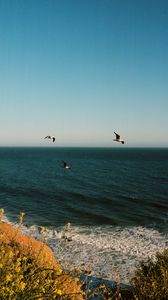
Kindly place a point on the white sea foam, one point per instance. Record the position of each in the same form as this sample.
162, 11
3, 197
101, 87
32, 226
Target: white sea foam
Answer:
110, 252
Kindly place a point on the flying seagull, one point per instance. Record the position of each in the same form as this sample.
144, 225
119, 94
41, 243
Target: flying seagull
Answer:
117, 139
50, 137
66, 165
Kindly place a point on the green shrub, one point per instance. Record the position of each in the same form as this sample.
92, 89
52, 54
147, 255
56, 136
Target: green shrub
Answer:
151, 278
149, 283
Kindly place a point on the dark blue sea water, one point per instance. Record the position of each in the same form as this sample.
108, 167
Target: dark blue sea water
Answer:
116, 200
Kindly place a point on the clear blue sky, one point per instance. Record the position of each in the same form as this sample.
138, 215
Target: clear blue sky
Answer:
83, 69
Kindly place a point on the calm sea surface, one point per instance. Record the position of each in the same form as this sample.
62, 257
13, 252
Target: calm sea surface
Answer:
116, 200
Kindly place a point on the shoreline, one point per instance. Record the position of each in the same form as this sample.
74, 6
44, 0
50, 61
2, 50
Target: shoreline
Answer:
88, 283
30, 247
111, 255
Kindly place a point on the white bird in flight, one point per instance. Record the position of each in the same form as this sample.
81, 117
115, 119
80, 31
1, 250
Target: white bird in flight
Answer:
117, 139
50, 137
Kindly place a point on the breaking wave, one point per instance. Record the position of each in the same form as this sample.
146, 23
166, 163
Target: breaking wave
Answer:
110, 252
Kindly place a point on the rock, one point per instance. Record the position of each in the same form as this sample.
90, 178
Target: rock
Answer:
96, 284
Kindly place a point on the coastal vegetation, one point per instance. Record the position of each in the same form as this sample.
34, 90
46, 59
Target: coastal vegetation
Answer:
151, 278
29, 270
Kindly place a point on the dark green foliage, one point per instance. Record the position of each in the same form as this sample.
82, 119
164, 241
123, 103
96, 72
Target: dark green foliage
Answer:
151, 278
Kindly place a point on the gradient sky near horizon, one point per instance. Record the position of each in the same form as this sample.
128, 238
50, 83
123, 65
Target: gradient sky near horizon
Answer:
81, 70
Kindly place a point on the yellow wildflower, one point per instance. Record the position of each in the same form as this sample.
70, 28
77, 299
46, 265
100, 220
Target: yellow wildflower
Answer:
43, 229
10, 254
19, 260
8, 277
1, 265
69, 227
1, 213
59, 272
22, 285
17, 269
21, 217
24, 258
1, 235
59, 292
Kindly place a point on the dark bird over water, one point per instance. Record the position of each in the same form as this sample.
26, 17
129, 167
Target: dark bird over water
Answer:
66, 165
117, 139
50, 137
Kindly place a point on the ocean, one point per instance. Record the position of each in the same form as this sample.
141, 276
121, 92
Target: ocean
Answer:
116, 200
